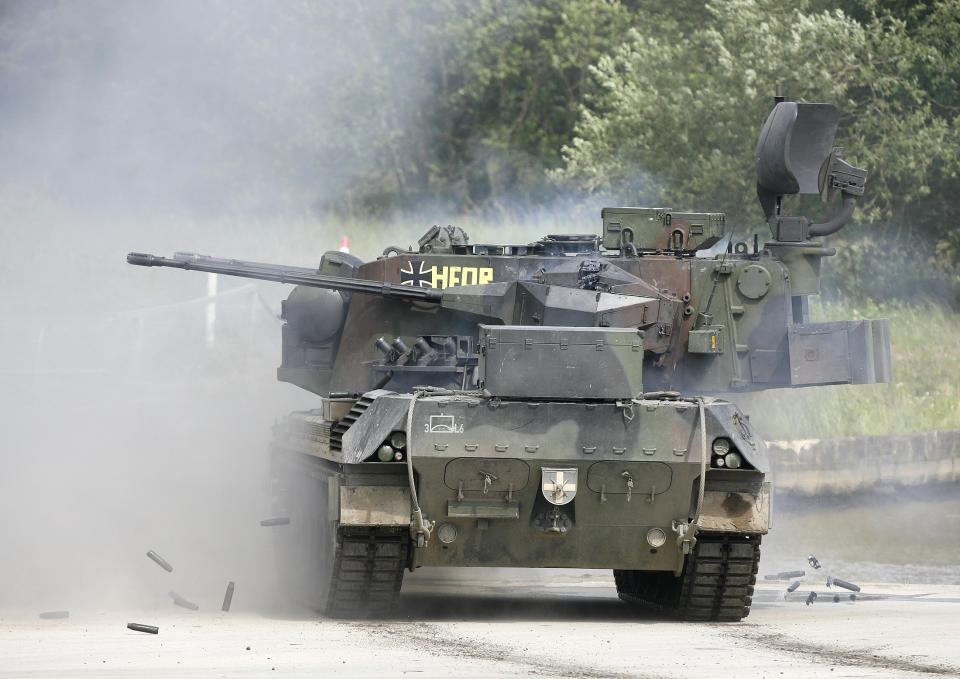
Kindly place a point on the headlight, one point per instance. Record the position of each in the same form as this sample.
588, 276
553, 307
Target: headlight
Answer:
656, 537
447, 533
733, 460
398, 440
721, 446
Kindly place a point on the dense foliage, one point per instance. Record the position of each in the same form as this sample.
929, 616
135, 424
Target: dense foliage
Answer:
675, 120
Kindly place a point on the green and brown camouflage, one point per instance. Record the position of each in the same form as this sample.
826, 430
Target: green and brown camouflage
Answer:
557, 403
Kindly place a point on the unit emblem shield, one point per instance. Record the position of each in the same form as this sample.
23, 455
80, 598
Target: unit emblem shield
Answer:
559, 486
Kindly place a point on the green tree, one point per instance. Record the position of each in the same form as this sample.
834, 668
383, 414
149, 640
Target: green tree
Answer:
677, 120
468, 102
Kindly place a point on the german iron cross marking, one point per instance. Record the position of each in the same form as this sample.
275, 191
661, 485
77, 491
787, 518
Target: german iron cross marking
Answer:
417, 277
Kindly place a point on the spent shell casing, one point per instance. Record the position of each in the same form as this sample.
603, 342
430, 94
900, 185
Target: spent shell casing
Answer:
811, 597
279, 521
787, 575
148, 629
228, 597
55, 615
812, 560
183, 603
160, 561
846, 585
793, 586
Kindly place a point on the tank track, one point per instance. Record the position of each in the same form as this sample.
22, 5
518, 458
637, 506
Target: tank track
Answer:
716, 583
367, 572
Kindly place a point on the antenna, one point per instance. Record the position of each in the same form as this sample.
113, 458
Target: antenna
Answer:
795, 155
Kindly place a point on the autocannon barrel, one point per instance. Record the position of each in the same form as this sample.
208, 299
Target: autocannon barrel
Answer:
195, 257
285, 274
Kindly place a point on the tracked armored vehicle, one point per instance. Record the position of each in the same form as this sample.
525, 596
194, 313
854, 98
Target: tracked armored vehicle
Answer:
556, 404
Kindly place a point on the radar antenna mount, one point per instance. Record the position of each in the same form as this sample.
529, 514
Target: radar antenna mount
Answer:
795, 155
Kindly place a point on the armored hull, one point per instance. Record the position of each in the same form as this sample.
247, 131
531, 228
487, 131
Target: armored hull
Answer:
544, 483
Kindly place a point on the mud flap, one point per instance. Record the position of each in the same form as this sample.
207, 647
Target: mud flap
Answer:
374, 506
739, 512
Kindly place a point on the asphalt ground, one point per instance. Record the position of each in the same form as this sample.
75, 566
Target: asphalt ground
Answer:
508, 623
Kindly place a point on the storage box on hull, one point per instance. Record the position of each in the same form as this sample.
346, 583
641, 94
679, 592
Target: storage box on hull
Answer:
528, 361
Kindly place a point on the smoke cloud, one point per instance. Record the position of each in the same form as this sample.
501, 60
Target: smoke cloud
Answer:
156, 126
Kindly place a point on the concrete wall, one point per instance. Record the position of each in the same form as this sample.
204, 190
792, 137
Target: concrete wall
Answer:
843, 465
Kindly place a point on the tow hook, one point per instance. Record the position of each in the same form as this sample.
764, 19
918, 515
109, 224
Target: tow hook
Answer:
686, 538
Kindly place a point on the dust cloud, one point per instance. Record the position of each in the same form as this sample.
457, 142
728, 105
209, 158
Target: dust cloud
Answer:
215, 127
152, 126
127, 433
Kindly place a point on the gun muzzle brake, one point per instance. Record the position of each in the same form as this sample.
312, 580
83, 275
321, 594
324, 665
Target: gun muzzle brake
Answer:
143, 259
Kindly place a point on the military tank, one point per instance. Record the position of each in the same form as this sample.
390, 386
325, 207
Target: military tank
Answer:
559, 403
